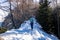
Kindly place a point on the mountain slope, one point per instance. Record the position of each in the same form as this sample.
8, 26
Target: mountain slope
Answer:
27, 31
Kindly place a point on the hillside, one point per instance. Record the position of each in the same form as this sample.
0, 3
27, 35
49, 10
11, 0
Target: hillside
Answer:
26, 32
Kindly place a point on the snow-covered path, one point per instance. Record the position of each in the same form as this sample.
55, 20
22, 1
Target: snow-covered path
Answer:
25, 32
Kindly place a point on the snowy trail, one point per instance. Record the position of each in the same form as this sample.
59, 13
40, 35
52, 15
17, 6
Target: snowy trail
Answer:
25, 32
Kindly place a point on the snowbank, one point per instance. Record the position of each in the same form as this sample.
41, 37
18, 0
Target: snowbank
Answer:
25, 32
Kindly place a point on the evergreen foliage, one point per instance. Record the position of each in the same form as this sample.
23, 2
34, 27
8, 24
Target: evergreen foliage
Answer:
45, 17
2, 30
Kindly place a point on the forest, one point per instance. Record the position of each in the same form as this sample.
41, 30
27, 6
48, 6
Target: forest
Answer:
47, 13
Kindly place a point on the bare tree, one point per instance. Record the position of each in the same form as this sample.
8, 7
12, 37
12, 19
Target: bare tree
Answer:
19, 10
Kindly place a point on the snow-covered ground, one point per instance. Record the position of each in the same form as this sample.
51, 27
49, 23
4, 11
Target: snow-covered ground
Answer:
25, 32
3, 14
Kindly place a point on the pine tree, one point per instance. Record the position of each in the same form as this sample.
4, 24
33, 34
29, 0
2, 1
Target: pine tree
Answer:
44, 15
